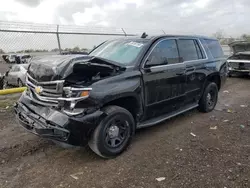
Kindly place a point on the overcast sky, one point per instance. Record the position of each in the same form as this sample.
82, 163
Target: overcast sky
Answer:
174, 16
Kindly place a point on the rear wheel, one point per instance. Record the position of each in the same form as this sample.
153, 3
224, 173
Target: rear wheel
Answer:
209, 98
114, 132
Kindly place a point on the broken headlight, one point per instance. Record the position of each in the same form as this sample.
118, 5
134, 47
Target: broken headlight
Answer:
70, 92
71, 96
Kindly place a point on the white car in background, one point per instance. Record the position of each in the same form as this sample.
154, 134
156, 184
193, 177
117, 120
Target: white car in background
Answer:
15, 76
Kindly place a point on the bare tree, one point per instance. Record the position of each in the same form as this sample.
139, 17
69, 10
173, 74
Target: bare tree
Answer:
245, 37
219, 34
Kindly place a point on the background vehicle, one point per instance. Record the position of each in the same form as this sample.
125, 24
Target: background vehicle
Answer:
239, 61
15, 76
17, 58
12, 58
122, 85
22, 58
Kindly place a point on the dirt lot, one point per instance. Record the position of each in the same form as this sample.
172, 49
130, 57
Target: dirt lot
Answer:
218, 156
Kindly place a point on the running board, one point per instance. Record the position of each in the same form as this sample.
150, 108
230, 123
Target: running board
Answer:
162, 118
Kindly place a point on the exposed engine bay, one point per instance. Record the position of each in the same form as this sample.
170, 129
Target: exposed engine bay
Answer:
239, 61
88, 73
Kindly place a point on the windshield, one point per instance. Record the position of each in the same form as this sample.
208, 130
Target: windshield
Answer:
120, 51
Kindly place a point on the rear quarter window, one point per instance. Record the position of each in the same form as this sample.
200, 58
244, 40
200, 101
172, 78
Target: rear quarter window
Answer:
215, 48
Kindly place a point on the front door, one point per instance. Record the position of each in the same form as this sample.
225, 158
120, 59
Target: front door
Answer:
164, 79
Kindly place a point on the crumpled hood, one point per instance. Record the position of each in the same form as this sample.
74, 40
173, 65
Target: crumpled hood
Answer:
58, 67
50, 68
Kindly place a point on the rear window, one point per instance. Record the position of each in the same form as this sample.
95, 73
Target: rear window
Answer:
215, 48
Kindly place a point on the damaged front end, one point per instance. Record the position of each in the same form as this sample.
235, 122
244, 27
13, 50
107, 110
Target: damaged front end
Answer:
239, 61
58, 103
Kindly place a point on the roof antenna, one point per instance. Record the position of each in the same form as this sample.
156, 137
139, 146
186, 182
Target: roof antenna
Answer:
144, 35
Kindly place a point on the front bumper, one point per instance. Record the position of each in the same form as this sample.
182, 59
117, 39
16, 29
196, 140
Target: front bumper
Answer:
239, 71
239, 67
53, 124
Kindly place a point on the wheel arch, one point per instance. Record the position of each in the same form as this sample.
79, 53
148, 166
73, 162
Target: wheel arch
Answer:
214, 77
130, 102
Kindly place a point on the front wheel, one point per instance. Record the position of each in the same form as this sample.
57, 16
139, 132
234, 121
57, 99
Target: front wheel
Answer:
114, 132
209, 98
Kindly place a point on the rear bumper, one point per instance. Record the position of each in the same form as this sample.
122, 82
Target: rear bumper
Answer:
53, 124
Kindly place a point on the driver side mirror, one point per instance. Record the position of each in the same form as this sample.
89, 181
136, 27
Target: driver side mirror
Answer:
156, 60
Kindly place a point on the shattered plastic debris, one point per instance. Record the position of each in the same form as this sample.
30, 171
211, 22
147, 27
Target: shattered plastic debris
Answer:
226, 120
75, 175
193, 134
213, 128
226, 91
160, 179
7, 107
243, 106
229, 111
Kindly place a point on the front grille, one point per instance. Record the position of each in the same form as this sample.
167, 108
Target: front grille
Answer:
49, 91
239, 65
234, 65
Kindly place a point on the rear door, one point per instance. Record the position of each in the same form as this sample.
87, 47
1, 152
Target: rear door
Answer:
193, 56
164, 79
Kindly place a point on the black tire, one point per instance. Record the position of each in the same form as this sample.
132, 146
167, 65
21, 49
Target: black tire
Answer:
103, 137
209, 98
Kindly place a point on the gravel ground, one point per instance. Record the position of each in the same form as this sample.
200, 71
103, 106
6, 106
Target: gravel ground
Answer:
216, 154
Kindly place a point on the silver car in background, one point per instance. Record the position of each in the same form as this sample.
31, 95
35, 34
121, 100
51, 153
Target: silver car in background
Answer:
15, 76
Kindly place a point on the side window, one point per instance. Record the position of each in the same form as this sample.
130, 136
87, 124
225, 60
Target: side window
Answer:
188, 50
165, 52
199, 51
215, 48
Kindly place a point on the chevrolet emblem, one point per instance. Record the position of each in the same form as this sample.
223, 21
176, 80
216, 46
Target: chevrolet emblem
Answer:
38, 89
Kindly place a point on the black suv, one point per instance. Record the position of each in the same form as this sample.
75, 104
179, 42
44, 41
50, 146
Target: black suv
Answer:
122, 85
